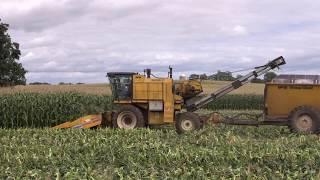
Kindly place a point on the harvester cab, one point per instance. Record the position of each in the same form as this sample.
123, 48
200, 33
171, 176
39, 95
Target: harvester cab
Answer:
121, 85
144, 101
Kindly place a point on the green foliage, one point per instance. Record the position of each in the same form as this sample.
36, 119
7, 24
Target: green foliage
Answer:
269, 76
43, 110
238, 102
11, 72
257, 80
220, 152
222, 76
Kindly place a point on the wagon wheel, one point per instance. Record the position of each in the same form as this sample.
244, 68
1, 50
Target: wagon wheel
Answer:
305, 120
187, 122
128, 117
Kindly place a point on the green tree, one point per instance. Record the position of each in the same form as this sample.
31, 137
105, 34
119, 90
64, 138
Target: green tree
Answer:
257, 80
194, 76
269, 76
11, 71
203, 77
224, 76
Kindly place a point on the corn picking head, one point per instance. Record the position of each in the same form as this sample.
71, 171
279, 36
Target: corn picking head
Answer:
87, 122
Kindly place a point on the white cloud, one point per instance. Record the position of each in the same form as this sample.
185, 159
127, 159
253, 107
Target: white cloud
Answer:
28, 56
240, 30
51, 64
246, 60
130, 35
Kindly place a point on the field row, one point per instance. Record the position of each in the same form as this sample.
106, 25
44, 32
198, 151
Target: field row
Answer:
216, 152
104, 89
46, 110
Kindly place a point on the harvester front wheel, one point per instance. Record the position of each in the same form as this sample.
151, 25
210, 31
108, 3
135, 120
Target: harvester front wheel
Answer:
128, 117
305, 120
187, 122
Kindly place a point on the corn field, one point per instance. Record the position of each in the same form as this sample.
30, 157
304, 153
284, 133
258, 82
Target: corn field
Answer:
238, 102
221, 152
215, 152
104, 89
45, 110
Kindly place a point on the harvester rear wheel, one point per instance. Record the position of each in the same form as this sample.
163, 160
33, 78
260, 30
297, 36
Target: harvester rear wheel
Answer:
305, 120
128, 117
187, 122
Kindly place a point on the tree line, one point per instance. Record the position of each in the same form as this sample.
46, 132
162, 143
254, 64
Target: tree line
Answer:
227, 76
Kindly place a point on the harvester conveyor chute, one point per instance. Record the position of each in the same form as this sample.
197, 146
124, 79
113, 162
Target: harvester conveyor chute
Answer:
195, 104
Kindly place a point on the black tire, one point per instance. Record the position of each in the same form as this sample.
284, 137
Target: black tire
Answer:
187, 122
128, 117
202, 123
305, 120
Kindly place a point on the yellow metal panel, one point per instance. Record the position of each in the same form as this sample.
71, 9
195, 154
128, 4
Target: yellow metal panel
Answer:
178, 101
156, 118
281, 99
155, 91
140, 90
168, 101
83, 122
147, 88
177, 107
122, 102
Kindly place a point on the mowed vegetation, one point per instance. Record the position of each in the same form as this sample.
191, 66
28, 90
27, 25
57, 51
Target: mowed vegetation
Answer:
216, 152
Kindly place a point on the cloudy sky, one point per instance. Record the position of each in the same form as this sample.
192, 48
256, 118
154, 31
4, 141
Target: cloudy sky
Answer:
81, 40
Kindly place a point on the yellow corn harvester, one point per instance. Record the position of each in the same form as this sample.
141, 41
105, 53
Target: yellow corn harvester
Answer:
143, 100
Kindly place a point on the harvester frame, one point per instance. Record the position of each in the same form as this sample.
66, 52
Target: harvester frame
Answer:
143, 101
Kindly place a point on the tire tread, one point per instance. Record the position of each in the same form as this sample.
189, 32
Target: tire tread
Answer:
309, 110
140, 119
